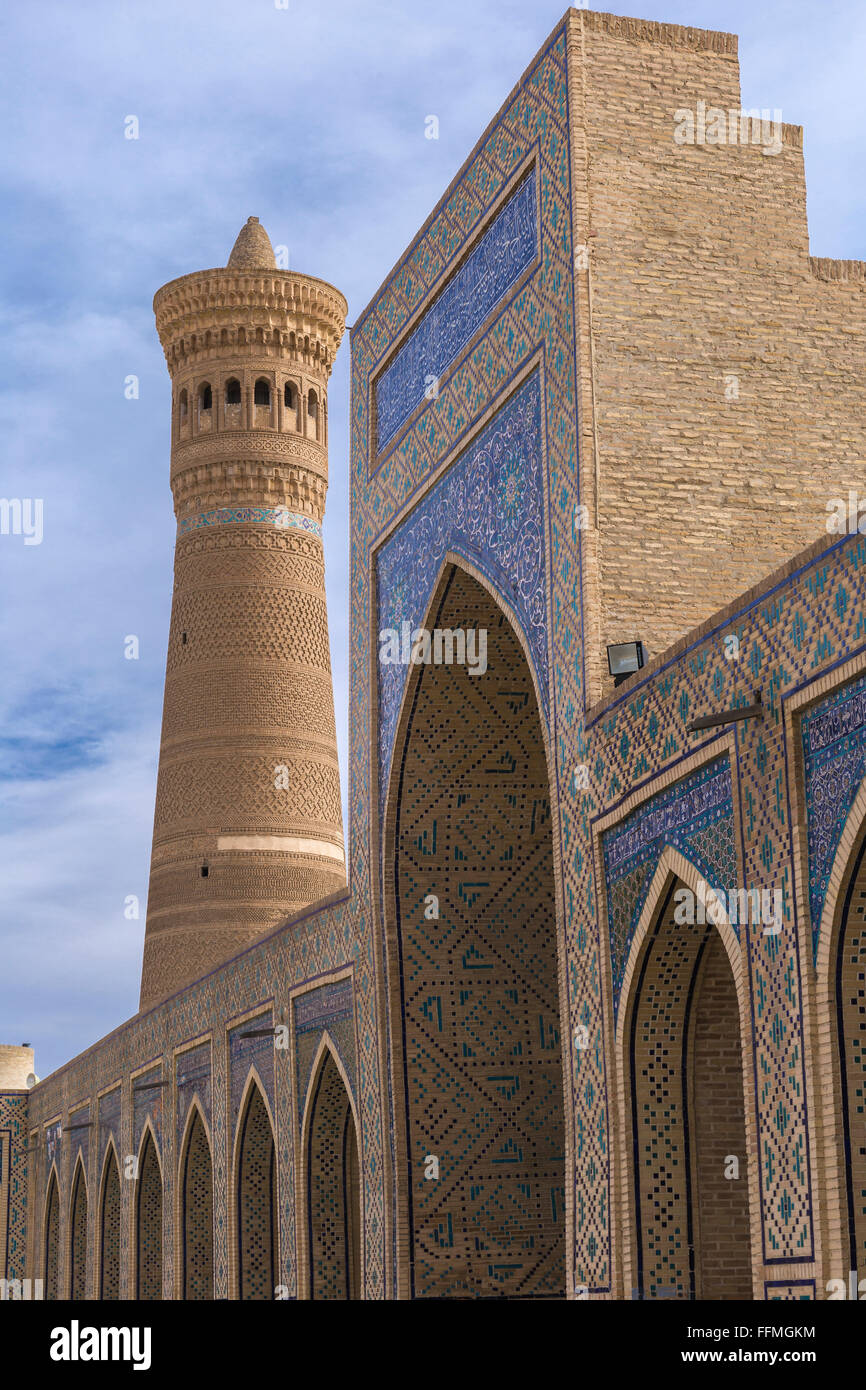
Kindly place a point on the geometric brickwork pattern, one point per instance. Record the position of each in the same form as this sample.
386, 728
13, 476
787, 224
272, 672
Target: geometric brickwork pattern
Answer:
687, 1109
78, 1236
694, 816
332, 1187
13, 1185
803, 1291
489, 507
148, 1225
197, 1190
52, 1240
256, 1202
327, 1008
109, 1235
483, 1073
717, 1133
501, 256
834, 761
851, 1001
663, 1202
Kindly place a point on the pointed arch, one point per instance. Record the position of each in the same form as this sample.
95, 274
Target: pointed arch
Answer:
78, 1232
455, 560
840, 1004
149, 1190
689, 1192
195, 1188
331, 1180
255, 1207
476, 999
51, 1236
109, 1226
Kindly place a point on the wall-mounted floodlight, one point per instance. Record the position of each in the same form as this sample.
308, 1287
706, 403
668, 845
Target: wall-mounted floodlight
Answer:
623, 659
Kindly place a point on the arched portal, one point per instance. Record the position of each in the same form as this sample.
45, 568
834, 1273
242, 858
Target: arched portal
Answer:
78, 1235
256, 1201
197, 1212
333, 1187
850, 1027
148, 1224
52, 1238
109, 1229
473, 951
689, 1169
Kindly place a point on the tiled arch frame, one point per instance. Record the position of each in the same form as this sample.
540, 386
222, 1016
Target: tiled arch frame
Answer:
385, 890
619, 1195
327, 1050
51, 1208
252, 1082
148, 1133
672, 867
110, 1158
817, 973
835, 1201
73, 1247
195, 1109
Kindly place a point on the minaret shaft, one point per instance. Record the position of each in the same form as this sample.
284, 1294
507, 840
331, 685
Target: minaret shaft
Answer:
248, 823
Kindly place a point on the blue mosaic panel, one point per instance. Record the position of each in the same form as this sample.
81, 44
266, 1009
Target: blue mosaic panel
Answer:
328, 1007
246, 1052
497, 262
834, 752
489, 507
694, 816
193, 1078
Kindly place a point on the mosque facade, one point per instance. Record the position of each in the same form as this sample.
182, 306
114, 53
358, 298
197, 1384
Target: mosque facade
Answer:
578, 1014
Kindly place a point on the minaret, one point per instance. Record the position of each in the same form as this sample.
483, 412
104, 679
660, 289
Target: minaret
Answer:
248, 823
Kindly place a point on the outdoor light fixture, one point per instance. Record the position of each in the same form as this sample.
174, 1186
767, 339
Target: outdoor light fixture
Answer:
623, 658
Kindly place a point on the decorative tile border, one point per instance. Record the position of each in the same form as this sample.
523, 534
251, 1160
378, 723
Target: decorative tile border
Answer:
279, 517
488, 507
694, 816
505, 250
834, 752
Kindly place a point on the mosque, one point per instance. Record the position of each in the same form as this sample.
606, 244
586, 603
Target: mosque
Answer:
578, 1011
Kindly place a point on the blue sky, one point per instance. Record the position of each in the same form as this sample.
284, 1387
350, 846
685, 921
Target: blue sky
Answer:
312, 119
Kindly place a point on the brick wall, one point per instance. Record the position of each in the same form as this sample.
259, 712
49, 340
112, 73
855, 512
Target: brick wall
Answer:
699, 271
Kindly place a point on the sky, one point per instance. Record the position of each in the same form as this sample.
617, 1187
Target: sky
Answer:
312, 118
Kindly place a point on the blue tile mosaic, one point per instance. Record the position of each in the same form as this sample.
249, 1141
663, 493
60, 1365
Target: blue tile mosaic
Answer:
488, 507
694, 816
834, 751
500, 258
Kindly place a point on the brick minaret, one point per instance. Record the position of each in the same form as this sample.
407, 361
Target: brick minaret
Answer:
248, 824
